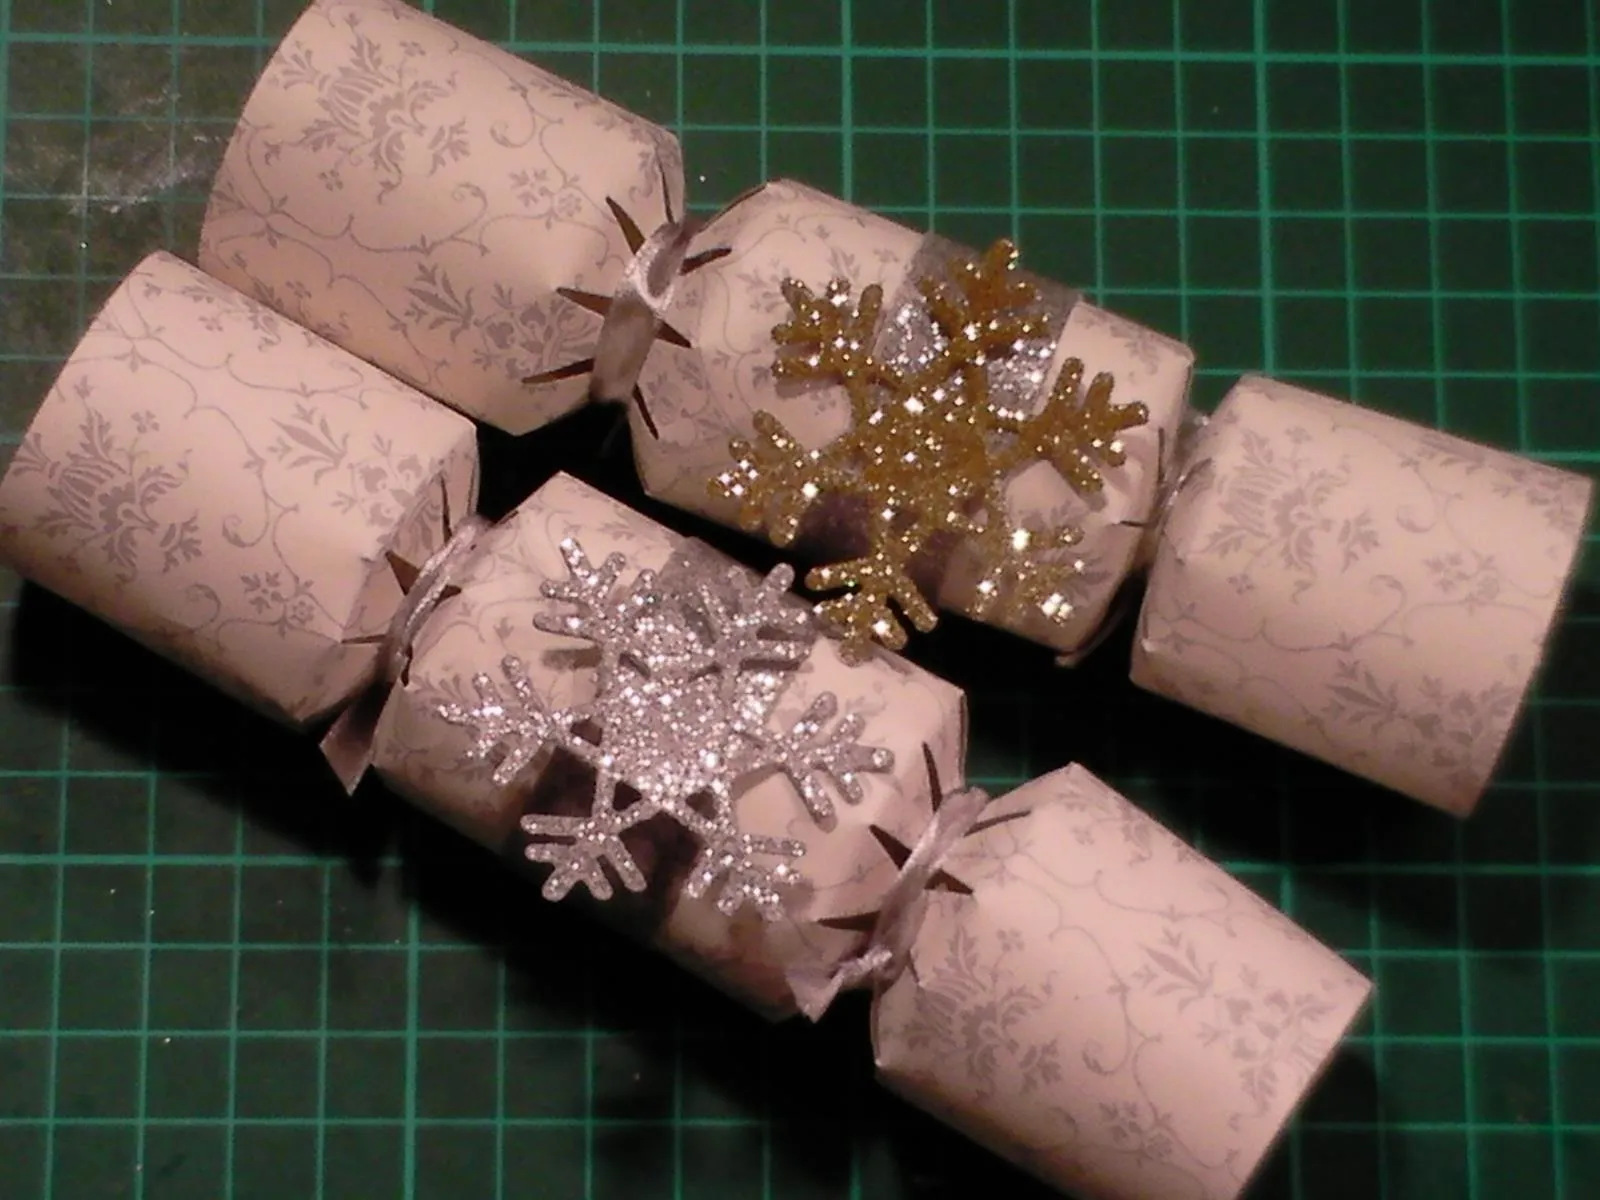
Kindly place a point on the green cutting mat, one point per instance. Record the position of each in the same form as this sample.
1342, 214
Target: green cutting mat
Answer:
220, 980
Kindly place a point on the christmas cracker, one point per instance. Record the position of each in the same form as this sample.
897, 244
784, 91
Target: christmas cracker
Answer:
1053, 973
512, 245
1077, 989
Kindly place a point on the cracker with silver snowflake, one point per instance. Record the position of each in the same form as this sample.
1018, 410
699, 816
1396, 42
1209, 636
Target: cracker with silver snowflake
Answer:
692, 663
932, 447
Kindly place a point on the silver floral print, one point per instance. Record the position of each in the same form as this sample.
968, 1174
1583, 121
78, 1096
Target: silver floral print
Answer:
225, 487
1368, 591
104, 499
437, 206
1108, 1009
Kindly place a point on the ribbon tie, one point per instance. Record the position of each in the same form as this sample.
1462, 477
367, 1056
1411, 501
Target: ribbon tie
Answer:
348, 743
904, 905
637, 309
1151, 530
1170, 487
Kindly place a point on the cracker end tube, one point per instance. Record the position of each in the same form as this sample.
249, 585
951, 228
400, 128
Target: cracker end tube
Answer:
1107, 1009
1376, 594
232, 490
438, 206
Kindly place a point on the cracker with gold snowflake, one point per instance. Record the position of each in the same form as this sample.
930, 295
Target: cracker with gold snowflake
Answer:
932, 446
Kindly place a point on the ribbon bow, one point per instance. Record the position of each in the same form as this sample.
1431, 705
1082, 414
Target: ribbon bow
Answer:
894, 929
348, 743
634, 316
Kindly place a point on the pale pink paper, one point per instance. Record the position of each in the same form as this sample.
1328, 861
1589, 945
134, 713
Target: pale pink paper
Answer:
418, 196
700, 398
421, 755
1109, 1010
225, 487
1365, 590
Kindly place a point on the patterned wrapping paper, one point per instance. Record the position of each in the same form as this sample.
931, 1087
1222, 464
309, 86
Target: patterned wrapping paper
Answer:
420, 754
440, 207
700, 397
1192, 1024
226, 487
466, 220
1109, 1010
1105, 1008
1368, 591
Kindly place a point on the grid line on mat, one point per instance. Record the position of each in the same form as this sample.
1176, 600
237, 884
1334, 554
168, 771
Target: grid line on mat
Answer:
218, 980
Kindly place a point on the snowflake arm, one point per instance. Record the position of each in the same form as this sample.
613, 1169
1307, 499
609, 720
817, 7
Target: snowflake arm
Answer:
1076, 431
984, 311
775, 480
741, 861
863, 615
1016, 577
813, 756
829, 339
734, 863
508, 732
606, 613
579, 848
761, 628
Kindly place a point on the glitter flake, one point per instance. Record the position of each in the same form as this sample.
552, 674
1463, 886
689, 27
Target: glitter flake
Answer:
693, 662
931, 449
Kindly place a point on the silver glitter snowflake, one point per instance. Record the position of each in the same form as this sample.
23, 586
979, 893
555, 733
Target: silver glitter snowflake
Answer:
692, 663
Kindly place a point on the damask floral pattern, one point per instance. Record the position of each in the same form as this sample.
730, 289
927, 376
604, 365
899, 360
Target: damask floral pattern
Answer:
1549, 492
420, 754
1373, 593
433, 204
224, 487
374, 108
1107, 1008
971, 1010
1280, 509
103, 496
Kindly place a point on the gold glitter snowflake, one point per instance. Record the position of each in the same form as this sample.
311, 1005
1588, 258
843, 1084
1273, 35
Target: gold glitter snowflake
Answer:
931, 448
